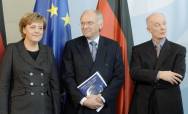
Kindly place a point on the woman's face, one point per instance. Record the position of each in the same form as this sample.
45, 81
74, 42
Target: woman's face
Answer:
34, 32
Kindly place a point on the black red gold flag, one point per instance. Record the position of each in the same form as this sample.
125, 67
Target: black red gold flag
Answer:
2, 32
117, 26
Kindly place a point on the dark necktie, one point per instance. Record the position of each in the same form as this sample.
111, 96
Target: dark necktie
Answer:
93, 49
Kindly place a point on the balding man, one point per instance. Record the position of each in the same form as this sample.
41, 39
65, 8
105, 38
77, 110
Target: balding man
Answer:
158, 67
79, 63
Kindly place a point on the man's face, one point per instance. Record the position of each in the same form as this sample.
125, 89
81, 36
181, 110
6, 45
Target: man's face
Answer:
157, 26
89, 24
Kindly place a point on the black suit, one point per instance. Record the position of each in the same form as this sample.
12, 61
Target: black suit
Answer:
154, 96
28, 86
78, 66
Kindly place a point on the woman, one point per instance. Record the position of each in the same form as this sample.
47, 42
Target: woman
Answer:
28, 78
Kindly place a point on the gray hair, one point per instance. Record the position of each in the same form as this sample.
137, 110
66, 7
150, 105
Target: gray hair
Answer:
98, 14
151, 15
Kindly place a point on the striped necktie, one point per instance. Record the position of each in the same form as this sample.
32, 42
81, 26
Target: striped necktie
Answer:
93, 49
158, 49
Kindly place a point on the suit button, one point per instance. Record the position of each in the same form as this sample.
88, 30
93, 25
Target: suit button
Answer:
42, 74
42, 93
42, 84
32, 93
30, 74
31, 84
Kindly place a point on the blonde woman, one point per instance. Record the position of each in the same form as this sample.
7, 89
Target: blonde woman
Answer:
28, 77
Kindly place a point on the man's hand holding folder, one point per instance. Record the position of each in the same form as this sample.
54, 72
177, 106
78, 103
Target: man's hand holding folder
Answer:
92, 88
94, 102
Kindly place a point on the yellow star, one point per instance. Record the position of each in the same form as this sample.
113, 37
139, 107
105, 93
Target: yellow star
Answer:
53, 10
66, 19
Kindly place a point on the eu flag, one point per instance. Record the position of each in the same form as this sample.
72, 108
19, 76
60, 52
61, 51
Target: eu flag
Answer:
58, 29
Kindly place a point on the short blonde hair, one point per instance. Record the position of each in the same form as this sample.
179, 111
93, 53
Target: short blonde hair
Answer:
29, 18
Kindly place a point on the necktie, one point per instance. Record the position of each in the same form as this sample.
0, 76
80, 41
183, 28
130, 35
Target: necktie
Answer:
93, 49
158, 48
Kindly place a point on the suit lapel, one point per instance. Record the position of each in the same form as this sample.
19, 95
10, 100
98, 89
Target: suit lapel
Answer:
163, 54
42, 57
152, 49
83, 48
85, 53
27, 57
101, 54
151, 53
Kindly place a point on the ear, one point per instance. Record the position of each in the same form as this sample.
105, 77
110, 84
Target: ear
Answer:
100, 26
24, 31
148, 29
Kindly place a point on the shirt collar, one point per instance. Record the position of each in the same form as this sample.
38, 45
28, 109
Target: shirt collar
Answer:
162, 41
95, 39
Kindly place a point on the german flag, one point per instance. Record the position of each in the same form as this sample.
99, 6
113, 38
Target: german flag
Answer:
2, 32
117, 26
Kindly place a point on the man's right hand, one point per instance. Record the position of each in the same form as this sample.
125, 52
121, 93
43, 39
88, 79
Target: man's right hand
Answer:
171, 77
92, 102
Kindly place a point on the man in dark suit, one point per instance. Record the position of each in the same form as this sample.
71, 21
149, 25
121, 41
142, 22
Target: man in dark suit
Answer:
158, 67
79, 63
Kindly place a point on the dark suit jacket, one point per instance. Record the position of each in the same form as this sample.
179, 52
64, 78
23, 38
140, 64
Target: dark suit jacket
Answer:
152, 96
78, 66
28, 86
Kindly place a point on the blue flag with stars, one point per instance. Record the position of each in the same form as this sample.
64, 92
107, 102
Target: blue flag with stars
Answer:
58, 29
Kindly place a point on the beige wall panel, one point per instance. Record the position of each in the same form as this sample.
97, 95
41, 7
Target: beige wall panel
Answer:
13, 10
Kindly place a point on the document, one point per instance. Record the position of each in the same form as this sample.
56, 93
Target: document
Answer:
94, 85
